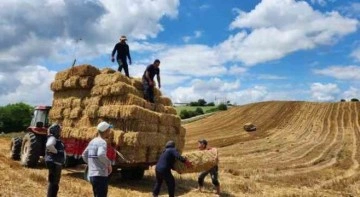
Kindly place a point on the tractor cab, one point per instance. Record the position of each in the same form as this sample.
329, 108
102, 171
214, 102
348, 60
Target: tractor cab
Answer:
40, 120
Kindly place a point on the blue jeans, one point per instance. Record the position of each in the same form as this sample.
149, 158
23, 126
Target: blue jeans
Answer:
169, 180
99, 185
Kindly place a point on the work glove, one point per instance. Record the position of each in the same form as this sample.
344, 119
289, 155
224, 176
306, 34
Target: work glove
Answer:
188, 164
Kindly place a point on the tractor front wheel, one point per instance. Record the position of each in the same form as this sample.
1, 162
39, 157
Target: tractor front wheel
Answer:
30, 152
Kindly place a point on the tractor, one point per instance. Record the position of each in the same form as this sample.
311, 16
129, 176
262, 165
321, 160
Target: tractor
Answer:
29, 148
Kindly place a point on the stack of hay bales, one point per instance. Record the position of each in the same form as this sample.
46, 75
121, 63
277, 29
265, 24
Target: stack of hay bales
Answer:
85, 96
249, 127
201, 160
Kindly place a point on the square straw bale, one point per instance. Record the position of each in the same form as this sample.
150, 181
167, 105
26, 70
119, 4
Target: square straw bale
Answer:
170, 110
62, 75
84, 70
107, 71
57, 85
91, 111
170, 120
140, 126
165, 101
86, 82
75, 113
201, 160
168, 130
79, 93
143, 139
133, 154
137, 83
72, 83
56, 113
109, 79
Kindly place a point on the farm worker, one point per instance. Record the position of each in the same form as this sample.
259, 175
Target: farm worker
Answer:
123, 51
163, 168
213, 171
54, 159
98, 163
148, 80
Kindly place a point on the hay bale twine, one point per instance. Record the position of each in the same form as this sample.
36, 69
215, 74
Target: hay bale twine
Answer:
249, 127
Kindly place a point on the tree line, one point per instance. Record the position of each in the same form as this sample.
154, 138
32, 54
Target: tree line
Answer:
15, 117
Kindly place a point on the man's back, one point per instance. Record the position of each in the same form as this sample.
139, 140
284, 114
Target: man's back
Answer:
95, 156
122, 50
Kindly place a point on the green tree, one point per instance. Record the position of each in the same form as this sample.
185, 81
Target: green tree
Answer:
342, 100
211, 104
355, 100
199, 110
15, 117
201, 102
184, 114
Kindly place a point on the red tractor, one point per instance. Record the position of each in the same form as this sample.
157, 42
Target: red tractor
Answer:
29, 148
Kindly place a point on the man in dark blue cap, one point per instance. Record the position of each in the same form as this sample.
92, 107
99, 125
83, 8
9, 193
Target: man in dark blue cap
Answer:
54, 158
213, 171
163, 168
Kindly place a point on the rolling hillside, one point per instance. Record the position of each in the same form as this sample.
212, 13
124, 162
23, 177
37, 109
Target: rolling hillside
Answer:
299, 149
311, 146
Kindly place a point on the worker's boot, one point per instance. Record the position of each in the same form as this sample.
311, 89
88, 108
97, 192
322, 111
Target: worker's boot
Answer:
217, 190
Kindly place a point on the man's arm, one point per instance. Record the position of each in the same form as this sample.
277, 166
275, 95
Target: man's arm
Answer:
50, 145
178, 156
85, 154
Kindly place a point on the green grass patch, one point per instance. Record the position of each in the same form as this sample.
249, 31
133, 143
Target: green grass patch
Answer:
193, 108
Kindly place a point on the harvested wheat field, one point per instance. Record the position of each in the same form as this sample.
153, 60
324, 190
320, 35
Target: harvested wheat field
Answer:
298, 149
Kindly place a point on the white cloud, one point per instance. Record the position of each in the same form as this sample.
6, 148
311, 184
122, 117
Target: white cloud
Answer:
324, 92
352, 92
31, 85
279, 27
340, 72
197, 34
237, 70
356, 54
270, 77
321, 2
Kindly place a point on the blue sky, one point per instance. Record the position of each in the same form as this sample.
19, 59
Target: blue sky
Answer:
242, 51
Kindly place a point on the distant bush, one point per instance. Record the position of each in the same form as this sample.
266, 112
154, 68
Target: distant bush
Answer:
202, 102
194, 104
211, 104
199, 110
355, 100
184, 114
212, 110
222, 107
342, 100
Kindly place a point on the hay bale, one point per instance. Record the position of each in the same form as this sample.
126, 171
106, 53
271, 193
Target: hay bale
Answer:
143, 139
107, 71
170, 120
85, 121
182, 131
84, 70
75, 113
153, 154
91, 111
62, 75
168, 130
72, 83
121, 88
140, 126
249, 127
56, 113
86, 82
57, 85
118, 137
158, 107
109, 79
76, 102
65, 103
134, 155
66, 113
165, 101
69, 122
170, 110
95, 100
137, 83
128, 112
78, 93
201, 160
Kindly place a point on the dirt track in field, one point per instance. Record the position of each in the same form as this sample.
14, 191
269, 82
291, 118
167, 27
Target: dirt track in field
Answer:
299, 149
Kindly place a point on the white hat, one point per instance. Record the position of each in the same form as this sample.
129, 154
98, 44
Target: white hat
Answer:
103, 126
123, 38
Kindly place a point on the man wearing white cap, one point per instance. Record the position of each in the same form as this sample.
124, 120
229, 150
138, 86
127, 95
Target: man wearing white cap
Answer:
98, 163
123, 51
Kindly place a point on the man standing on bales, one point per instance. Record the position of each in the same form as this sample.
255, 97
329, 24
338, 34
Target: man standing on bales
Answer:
164, 166
213, 171
148, 80
123, 51
98, 163
54, 158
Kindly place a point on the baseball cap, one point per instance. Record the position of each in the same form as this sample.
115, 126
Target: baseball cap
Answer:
203, 141
103, 126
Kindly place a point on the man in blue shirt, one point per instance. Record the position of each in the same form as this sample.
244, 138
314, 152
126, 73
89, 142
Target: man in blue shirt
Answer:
123, 51
163, 168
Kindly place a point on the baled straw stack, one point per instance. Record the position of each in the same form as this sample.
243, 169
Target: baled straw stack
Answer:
168, 130
170, 110
143, 139
109, 79
95, 100
165, 101
75, 113
134, 154
56, 113
86, 82
62, 75
83, 70
91, 111
118, 88
137, 83
72, 83
57, 85
170, 120
79, 93
128, 112
107, 71
201, 161
128, 99
140, 126
66, 102
118, 138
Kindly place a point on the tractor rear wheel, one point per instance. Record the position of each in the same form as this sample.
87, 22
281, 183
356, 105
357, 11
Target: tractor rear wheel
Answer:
15, 148
132, 173
30, 152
